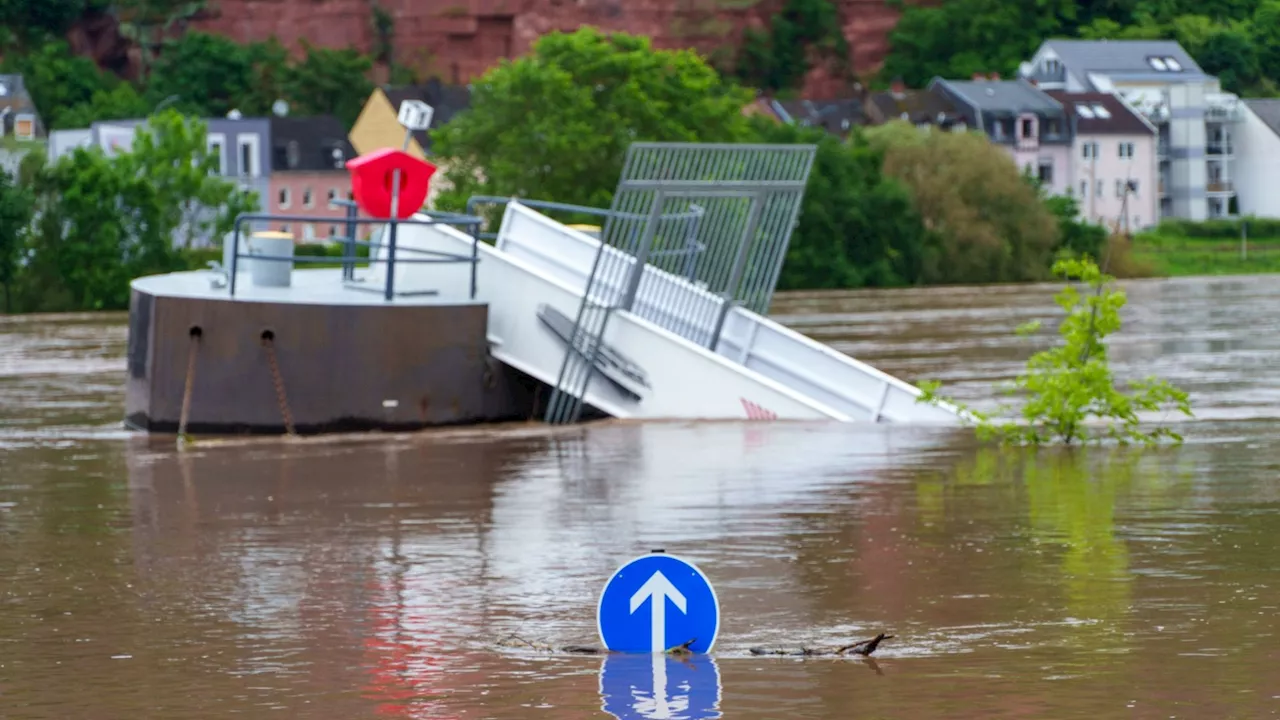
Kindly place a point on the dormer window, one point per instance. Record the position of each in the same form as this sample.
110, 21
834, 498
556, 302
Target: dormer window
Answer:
1027, 128
1052, 66
1174, 65
1158, 64
1101, 111
1164, 63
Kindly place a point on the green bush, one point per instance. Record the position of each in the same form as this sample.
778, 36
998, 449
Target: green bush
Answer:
1220, 229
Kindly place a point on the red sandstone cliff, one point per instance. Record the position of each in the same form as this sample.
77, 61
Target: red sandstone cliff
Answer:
459, 39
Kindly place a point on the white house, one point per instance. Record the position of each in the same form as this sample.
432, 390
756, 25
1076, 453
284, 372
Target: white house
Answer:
1258, 166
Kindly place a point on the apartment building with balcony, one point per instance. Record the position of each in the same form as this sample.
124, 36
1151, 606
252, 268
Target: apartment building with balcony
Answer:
1114, 168
1031, 126
1195, 120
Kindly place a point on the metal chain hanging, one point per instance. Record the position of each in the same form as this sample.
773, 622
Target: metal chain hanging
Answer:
190, 383
268, 341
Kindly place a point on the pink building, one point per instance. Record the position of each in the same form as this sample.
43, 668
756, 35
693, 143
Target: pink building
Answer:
1114, 156
308, 170
1031, 126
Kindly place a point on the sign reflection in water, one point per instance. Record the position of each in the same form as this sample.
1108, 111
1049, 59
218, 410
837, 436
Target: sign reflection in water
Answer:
660, 687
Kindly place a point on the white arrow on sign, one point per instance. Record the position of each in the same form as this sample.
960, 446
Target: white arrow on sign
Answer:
657, 589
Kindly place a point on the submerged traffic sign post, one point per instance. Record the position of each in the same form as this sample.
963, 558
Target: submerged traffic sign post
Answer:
656, 602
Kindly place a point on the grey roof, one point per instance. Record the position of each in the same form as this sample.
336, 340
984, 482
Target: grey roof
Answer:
1004, 95
1121, 56
1268, 111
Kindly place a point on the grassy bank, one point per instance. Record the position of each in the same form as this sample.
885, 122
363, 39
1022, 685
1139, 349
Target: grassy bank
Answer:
1180, 255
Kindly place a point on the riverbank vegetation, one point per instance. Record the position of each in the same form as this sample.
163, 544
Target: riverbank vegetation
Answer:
890, 206
1237, 41
1068, 392
94, 221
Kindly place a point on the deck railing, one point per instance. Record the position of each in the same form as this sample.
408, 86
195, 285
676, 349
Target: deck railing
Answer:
350, 258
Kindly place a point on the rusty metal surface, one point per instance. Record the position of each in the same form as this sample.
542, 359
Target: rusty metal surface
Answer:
339, 364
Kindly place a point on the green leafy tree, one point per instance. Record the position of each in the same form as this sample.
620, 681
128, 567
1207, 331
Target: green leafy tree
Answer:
985, 222
58, 80
1069, 388
958, 38
15, 218
856, 228
104, 220
803, 32
209, 74
330, 82
120, 103
148, 23
556, 123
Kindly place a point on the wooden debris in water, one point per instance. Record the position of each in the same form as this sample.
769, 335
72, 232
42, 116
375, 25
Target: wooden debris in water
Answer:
864, 648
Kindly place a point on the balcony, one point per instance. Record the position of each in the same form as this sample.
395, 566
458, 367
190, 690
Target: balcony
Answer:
1220, 186
1162, 150
1222, 148
1160, 188
1223, 107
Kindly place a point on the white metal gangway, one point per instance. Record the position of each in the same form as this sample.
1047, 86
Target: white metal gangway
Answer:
652, 362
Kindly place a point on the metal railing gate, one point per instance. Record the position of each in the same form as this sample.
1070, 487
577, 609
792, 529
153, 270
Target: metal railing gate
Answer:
749, 198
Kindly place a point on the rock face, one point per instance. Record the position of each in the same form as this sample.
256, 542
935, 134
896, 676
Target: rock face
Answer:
457, 40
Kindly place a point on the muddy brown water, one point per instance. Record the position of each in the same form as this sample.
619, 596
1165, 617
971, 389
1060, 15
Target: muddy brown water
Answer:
368, 576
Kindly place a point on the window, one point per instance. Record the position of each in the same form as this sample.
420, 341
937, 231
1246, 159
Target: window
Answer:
284, 228
1119, 188
1089, 150
284, 198
1137, 221
1157, 64
24, 126
1133, 188
1097, 188
1051, 127
1085, 111
308, 233
249, 162
1028, 128
215, 143
1084, 188
1052, 66
1172, 64
1101, 111
1126, 150
306, 198
333, 231
333, 195
1046, 173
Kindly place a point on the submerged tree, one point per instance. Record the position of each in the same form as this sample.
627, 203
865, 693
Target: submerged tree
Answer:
1070, 386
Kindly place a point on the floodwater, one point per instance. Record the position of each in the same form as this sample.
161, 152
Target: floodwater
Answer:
371, 576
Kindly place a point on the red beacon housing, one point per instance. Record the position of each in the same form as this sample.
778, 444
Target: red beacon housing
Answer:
373, 178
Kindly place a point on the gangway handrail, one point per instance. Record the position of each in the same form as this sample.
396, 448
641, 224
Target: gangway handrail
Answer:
693, 246
349, 257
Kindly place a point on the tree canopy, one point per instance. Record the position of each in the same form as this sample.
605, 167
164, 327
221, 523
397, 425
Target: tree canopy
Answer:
102, 220
1237, 40
556, 123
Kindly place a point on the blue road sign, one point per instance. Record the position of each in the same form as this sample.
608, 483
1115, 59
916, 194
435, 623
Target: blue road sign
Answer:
660, 687
656, 602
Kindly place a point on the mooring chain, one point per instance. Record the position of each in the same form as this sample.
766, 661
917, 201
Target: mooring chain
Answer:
268, 341
191, 377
